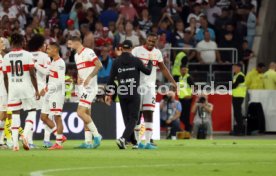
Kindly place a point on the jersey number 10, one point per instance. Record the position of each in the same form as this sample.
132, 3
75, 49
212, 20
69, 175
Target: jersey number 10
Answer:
17, 68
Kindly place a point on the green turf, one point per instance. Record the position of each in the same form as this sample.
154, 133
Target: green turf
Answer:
173, 158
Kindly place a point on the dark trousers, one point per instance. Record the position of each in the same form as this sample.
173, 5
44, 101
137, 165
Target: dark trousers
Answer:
237, 107
175, 127
130, 110
185, 114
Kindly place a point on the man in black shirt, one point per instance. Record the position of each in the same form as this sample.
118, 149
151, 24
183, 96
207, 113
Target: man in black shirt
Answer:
126, 69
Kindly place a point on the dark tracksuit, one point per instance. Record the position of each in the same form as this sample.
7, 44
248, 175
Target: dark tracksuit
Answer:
237, 107
126, 69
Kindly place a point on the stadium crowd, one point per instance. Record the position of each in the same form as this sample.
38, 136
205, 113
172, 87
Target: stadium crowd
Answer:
201, 24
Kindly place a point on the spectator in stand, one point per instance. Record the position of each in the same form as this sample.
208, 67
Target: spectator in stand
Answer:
254, 80
104, 73
16, 28
36, 25
204, 27
90, 19
104, 39
139, 5
109, 15
28, 33
165, 22
129, 35
207, 53
39, 12
213, 12
193, 28
88, 37
118, 34
54, 19
156, 9
270, 77
47, 35
6, 4
245, 54
228, 42
221, 22
178, 36
196, 13
145, 22
56, 33
20, 10
189, 42
71, 31
251, 26
128, 11
173, 8
170, 111
74, 14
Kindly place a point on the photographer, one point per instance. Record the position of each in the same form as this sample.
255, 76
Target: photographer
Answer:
170, 111
203, 115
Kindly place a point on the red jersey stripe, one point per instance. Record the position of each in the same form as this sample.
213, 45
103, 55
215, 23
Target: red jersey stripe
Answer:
53, 74
25, 68
86, 64
149, 105
59, 110
84, 101
148, 129
14, 104
29, 121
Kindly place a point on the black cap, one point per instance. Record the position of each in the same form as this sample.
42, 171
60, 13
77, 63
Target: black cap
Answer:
127, 44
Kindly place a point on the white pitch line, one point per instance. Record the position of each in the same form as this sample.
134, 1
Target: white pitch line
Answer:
43, 172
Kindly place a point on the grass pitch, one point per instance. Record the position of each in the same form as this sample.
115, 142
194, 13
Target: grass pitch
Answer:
173, 158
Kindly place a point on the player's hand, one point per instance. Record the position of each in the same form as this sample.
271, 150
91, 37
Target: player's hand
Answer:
37, 96
79, 81
86, 82
42, 92
169, 121
108, 100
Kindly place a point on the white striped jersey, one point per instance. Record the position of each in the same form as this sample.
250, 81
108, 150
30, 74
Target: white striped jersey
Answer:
145, 55
44, 61
17, 65
3, 91
85, 61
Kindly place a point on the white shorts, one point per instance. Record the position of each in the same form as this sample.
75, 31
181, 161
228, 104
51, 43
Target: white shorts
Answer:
18, 104
87, 96
148, 100
39, 103
53, 106
3, 103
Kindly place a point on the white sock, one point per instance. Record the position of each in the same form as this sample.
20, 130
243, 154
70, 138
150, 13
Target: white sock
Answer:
59, 139
30, 137
91, 126
88, 137
137, 133
2, 126
29, 123
47, 133
148, 133
15, 128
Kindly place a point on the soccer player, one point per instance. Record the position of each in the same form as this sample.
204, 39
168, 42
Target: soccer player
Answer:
145, 53
21, 85
54, 94
3, 99
88, 66
37, 47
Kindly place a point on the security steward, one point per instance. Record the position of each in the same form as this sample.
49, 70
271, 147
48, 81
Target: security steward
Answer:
238, 95
185, 96
126, 69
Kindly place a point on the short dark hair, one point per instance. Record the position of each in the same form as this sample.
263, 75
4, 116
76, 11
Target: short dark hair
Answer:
36, 42
17, 40
152, 34
78, 5
55, 45
75, 38
260, 65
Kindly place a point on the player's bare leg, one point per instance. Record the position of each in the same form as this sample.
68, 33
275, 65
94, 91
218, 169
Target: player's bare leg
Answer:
16, 122
29, 123
83, 113
148, 117
59, 136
